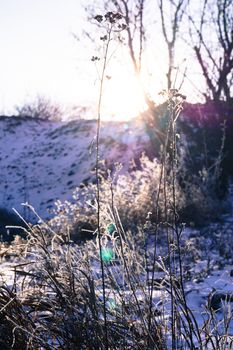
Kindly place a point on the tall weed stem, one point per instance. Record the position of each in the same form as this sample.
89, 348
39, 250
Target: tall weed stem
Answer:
98, 181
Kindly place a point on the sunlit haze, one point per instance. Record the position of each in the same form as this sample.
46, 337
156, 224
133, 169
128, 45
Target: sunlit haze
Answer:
45, 53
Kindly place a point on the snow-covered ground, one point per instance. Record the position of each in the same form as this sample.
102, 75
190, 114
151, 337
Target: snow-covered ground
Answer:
43, 161
210, 283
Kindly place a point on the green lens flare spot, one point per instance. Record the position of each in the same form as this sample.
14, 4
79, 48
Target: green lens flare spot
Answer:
111, 228
107, 255
111, 304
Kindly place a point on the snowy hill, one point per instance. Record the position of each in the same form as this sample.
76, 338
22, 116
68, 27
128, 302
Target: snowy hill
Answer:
42, 161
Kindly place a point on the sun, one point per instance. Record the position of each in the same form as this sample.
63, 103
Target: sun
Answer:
123, 96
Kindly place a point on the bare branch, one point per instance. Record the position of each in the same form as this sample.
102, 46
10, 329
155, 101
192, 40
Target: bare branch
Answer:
216, 62
177, 16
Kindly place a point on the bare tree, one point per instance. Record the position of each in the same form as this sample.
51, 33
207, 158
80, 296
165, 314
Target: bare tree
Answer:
214, 48
132, 12
135, 30
170, 29
40, 108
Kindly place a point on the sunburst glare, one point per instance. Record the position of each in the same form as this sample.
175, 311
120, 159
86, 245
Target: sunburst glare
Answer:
123, 96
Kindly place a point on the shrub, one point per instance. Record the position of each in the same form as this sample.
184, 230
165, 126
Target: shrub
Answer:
40, 108
132, 194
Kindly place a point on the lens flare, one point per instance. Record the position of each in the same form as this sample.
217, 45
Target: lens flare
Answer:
107, 255
111, 228
111, 304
